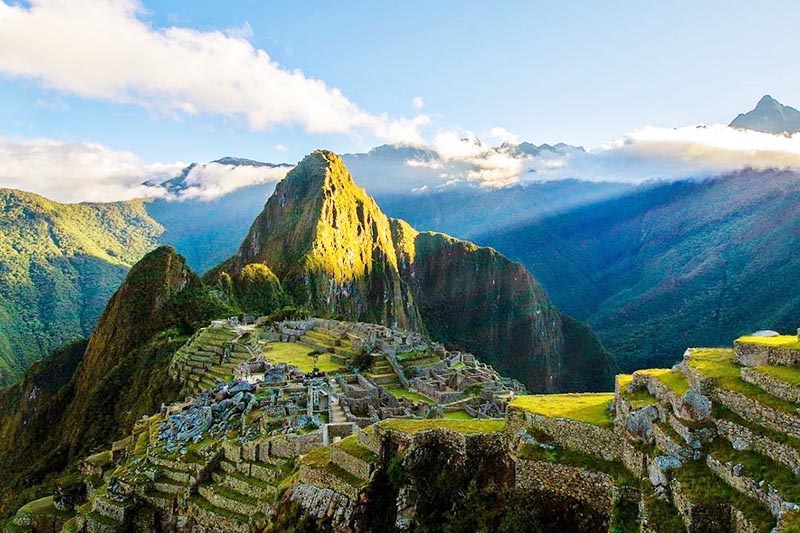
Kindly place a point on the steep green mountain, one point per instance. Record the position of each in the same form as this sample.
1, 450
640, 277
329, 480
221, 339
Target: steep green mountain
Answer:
672, 265
87, 394
336, 253
769, 116
60, 264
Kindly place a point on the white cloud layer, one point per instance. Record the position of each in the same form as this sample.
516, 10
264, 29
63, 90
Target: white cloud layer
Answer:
102, 49
91, 172
78, 172
210, 180
646, 154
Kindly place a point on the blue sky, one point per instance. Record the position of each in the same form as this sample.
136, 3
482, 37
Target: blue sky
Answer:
114, 92
578, 72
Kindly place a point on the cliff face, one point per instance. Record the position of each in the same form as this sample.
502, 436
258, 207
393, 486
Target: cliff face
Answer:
337, 254
475, 298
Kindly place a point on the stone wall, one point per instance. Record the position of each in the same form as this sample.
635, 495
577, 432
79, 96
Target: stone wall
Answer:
752, 354
700, 518
774, 386
743, 437
358, 467
579, 436
324, 478
759, 413
595, 489
746, 485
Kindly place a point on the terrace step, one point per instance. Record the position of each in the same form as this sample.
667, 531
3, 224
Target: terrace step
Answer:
230, 500
215, 518
781, 382
245, 484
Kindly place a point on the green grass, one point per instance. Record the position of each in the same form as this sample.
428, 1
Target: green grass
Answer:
703, 487
724, 413
298, 355
100, 459
320, 458
718, 364
351, 446
466, 427
758, 467
662, 515
780, 341
638, 398
568, 457
591, 408
411, 395
789, 374
43, 506
674, 381
458, 415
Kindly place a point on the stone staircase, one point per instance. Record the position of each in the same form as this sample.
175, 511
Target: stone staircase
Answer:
381, 373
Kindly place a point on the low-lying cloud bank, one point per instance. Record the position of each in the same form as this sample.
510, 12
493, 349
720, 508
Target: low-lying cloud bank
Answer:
91, 172
75, 172
646, 154
79, 172
105, 50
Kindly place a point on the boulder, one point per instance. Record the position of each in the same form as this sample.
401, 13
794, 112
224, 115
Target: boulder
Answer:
695, 406
640, 423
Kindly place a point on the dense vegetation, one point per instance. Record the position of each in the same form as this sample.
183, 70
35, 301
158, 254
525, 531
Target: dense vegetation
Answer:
84, 396
60, 265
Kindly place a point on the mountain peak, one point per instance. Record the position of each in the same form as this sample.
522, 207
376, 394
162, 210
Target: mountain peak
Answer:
769, 116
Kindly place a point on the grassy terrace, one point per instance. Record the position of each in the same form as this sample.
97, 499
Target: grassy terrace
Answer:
298, 355
789, 374
781, 341
466, 427
567, 457
673, 380
718, 364
43, 506
320, 458
663, 514
589, 408
351, 446
703, 487
458, 415
758, 467
411, 395
724, 413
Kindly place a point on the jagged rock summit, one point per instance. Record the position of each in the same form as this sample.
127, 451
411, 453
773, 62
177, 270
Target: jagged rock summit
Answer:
336, 253
769, 116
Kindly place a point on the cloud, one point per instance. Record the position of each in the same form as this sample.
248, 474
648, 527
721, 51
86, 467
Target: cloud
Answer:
653, 153
91, 172
464, 157
504, 136
210, 180
645, 154
280, 148
418, 102
103, 49
78, 172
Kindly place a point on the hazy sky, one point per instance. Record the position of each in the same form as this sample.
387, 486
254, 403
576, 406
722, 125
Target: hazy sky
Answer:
157, 83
